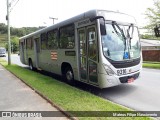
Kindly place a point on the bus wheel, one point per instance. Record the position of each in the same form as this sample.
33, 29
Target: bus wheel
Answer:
31, 65
69, 76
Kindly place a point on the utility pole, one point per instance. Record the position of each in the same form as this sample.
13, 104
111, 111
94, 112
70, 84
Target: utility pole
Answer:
9, 41
53, 19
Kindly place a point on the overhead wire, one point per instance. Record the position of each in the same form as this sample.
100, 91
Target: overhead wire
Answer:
13, 5
12, 2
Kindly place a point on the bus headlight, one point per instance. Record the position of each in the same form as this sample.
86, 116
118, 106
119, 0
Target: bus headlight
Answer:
108, 70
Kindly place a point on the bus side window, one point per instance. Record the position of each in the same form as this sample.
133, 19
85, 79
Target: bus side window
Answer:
52, 39
29, 43
43, 41
67, 40
24, 44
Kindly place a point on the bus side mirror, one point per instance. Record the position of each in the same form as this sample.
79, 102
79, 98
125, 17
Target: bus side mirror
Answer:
97, 17
102, 25
157, 31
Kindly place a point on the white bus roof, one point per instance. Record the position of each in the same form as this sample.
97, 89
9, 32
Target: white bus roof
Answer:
117, 16
108, 15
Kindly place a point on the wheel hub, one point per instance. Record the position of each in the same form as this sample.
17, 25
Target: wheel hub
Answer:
69, 75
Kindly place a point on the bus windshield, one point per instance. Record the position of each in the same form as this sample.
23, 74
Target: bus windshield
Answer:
121, 42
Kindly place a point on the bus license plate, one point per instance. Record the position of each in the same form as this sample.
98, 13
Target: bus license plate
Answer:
130, 80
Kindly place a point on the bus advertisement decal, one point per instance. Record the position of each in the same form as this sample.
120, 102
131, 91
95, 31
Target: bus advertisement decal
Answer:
53, 55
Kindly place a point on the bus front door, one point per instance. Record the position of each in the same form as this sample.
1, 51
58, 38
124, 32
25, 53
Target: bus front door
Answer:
88, 54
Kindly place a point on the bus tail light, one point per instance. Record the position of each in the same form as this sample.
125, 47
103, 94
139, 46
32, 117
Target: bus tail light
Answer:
108, 70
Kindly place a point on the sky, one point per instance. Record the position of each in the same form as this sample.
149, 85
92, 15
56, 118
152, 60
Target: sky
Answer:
34, 13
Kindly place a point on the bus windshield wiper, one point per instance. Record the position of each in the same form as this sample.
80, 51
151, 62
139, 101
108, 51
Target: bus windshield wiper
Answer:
121, 32
130, 35
114, 24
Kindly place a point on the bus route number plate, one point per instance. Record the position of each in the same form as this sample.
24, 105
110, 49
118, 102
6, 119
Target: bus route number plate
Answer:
121, 72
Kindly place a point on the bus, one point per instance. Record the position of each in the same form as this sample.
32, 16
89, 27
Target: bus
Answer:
2, 51
99, 47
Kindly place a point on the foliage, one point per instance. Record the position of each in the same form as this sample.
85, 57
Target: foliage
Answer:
15, 33
3, 28
147, 36
18, 31
14, 44
152, 65
153, 15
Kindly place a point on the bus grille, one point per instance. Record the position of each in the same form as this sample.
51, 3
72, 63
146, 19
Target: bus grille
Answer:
125, 79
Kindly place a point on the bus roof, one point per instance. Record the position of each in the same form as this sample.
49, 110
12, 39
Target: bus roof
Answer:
108, 15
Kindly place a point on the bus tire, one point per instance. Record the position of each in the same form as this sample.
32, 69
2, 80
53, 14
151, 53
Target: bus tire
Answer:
31, 65
69, 76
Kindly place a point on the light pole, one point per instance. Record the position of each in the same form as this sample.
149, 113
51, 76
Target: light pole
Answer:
9, 41
53, 19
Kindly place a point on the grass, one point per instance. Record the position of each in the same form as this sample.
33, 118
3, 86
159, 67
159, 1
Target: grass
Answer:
155, 65
67, 97
3, 40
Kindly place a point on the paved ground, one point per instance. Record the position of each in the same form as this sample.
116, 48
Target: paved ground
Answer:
15, 59
141, 95
16, 96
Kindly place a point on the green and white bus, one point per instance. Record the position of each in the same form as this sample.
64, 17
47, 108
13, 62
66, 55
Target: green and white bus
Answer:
98, 47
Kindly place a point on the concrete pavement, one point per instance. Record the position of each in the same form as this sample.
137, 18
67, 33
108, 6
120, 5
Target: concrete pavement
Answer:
17, 96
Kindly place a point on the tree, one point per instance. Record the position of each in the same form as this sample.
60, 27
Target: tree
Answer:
153, 15
3, 28
18, 31
14, 44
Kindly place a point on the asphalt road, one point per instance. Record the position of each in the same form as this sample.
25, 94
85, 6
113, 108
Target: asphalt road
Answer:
141, 95
15, 60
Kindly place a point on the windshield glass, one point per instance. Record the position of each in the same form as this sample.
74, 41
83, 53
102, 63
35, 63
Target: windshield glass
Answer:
121, 42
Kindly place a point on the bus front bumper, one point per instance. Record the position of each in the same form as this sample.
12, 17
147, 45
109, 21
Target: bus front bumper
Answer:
110, 81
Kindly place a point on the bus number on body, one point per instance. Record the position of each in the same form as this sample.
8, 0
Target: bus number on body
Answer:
121, 72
